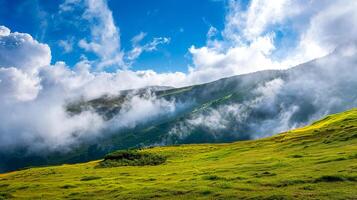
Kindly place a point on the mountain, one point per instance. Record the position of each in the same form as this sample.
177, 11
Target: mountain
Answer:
313, 162
240, 107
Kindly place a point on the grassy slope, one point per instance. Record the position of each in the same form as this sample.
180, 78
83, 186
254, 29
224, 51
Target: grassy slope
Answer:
314, 162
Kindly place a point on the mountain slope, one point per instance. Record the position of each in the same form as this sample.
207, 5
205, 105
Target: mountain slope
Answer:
242, 107
313, 162
236, 108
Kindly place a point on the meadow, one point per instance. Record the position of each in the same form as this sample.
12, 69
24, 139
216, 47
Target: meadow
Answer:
314, 162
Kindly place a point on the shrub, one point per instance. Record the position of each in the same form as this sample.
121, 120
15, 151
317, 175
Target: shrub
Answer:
131, 158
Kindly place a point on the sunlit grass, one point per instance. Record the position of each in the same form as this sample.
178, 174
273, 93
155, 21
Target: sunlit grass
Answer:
314, 162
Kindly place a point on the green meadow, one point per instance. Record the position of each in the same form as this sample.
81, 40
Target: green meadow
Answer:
314, 162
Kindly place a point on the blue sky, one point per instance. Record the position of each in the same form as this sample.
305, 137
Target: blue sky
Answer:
178, 42
185, 22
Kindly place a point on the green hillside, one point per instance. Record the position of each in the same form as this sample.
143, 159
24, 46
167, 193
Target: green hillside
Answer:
237, 108
315, 162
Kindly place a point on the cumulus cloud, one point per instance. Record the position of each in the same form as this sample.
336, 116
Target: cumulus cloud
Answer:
21, 58
31, 109
20, 50
250, 42
253, 22
34, 96
210, 63
325, 29
4, 31
16, 85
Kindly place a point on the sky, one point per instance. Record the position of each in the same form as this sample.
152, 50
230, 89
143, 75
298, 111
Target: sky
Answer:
171, 35
204, 40
183, 23
55, 52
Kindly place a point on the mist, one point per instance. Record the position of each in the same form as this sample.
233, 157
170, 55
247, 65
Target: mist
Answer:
35, 95
293, 98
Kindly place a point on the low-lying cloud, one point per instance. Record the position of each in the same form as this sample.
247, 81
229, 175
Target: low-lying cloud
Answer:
34, 96
35, 89
293, 99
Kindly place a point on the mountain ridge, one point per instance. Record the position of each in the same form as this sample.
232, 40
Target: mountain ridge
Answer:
235, 108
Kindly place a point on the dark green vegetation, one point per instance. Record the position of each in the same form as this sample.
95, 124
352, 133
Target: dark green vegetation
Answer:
314, 162
131, 158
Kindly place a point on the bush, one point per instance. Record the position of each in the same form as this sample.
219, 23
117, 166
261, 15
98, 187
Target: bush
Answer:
131, 158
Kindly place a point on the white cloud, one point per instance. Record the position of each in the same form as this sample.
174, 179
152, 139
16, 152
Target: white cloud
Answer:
31, 86
247, 25
229, 117
249, 39
246, 45
4, 31
325, 31
34, 95
104, 39
212, 31
261, 14
67, 45
21, 58
138, 38
140, 110
105, 35
16, 85
68, 5
138, 49
210, 63
20, 50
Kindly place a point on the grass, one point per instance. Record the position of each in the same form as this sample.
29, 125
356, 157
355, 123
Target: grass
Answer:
314, 162
90, 178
